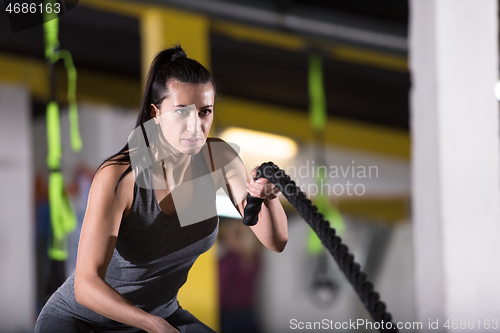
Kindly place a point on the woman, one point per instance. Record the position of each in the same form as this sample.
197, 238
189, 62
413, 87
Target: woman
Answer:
150, 212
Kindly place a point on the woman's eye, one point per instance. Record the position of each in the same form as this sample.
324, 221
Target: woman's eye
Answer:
205, 112
182, 112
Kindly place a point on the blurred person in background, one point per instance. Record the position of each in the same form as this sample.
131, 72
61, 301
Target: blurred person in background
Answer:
239, 268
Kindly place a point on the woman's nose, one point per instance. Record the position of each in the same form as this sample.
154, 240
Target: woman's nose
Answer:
194, 123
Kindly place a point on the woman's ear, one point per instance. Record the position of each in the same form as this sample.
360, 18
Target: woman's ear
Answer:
153, 111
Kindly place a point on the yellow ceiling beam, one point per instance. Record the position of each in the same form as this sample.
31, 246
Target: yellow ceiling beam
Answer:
259, 35
292, 42
91, 85
123, 7
28, 72
390, 210
106, 88
371, 58
295, 124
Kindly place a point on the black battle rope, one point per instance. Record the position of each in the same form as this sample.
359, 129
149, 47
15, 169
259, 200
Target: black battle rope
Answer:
339, 251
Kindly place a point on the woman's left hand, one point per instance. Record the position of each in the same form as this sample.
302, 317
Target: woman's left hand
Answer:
261, 188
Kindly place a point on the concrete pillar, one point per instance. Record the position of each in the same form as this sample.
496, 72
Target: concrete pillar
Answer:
17, 247
455, 160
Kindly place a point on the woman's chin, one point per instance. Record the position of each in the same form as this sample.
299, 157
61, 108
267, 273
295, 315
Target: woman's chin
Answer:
191, 150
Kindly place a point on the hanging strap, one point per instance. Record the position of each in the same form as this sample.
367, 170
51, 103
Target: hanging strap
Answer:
318, 119
62, 215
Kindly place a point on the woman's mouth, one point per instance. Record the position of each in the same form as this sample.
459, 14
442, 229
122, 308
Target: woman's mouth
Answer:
192, 142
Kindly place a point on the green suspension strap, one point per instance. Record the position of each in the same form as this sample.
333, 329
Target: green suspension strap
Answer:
318, 118
317, 100
62, 215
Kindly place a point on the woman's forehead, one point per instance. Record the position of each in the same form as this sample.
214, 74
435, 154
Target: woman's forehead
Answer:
199, 97
179, 89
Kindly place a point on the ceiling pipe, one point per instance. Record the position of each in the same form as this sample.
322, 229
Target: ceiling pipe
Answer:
298, 24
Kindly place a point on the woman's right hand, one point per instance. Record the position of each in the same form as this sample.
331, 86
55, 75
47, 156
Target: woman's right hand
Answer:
160, 325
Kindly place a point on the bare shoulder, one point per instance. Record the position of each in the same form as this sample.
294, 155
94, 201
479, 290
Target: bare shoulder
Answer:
106, 185
223, 153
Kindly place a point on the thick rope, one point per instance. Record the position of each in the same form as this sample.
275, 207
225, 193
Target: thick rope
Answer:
339, 251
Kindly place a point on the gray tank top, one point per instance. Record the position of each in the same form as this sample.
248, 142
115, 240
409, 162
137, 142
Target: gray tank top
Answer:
152, 256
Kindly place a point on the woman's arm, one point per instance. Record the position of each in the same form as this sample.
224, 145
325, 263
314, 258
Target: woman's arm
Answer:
97, 243
272, 228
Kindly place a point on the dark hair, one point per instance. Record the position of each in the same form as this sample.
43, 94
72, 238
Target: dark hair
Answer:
168, 65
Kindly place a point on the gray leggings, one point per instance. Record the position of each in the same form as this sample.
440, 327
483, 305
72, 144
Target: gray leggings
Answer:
181, 319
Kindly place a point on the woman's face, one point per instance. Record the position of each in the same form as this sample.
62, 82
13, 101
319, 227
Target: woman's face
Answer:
186, 115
